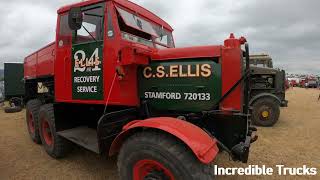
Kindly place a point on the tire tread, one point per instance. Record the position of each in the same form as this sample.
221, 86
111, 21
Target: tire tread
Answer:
185, 157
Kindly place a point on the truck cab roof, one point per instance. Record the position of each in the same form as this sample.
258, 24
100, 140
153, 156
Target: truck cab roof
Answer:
126, 4
263, 70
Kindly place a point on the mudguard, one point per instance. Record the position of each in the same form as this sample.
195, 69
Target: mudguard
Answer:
264, 95
202, 145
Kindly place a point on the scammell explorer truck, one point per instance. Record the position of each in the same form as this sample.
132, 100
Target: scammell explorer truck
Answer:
114, 83
268, 90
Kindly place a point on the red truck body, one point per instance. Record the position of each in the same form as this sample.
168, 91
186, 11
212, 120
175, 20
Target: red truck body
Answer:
41, 63
87, 88
54, 60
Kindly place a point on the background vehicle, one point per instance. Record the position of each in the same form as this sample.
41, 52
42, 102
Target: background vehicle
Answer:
13, 80
113, 82
312, 82
1, 91
261, 60
14, 86
268, 88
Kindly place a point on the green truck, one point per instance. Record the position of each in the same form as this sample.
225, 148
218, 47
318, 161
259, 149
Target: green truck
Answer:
267, 90
14, 83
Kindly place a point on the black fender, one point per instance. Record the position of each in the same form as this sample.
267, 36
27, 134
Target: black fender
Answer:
262, 95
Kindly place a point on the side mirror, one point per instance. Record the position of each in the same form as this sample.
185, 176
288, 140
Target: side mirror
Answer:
75, 18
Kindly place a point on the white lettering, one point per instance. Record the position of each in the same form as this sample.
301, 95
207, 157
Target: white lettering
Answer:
87, 89
87, 79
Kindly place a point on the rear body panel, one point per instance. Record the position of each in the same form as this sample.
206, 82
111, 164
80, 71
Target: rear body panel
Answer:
40, 63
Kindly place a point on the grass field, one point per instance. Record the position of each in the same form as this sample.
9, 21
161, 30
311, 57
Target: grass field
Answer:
294, 141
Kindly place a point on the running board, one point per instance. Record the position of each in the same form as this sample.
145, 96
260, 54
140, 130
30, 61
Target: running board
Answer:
82, 136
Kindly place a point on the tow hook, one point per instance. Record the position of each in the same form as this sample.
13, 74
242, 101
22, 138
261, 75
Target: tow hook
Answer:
241, 151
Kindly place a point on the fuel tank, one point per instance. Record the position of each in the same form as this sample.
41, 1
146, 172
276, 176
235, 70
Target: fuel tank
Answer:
188, 85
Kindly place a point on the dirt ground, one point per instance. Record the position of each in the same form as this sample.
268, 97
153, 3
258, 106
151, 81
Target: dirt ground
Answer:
293, 142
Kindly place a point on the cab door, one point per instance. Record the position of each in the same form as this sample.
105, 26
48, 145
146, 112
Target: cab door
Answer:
62, 63
87, 55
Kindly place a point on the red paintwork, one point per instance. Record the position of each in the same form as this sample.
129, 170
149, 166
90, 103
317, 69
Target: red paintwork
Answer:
46, 132
126, 56
232, 67
132, 55
187, 52
293, 83
143, 167
40, 63
202, 145
302, 82
31, 123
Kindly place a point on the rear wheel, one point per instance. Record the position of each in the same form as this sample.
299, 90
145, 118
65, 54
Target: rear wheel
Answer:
32, 118
266, 112
55, 146
157, 156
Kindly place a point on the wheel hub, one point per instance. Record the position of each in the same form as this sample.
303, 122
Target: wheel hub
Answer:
46, 132
156, 175
151, 170
265, 114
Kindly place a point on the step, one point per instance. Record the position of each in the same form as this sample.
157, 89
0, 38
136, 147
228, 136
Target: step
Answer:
82, 136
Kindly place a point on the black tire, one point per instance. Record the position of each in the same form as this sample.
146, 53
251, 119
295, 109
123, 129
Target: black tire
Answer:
59, 146
164, 149
32, 111
13, 109
269, 105
16, 101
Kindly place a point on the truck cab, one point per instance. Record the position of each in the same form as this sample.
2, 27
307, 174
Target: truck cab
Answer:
109, 38
114, 83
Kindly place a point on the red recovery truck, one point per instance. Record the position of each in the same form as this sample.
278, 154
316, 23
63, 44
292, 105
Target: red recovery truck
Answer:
114, 83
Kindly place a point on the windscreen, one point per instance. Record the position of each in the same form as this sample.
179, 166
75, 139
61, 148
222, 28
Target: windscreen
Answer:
149, 32
137, 22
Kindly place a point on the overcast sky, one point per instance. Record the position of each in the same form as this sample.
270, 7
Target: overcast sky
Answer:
288, 30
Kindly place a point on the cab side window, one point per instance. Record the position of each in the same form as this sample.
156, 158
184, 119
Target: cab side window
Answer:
65, 32
92, 27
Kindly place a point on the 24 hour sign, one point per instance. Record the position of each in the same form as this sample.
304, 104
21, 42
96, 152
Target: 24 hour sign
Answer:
87, 80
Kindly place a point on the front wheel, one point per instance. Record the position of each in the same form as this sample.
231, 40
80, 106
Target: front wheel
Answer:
266, 112
154, 155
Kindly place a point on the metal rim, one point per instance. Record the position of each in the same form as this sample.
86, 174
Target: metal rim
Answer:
151, 170
265, 113
46, 132
31, 124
